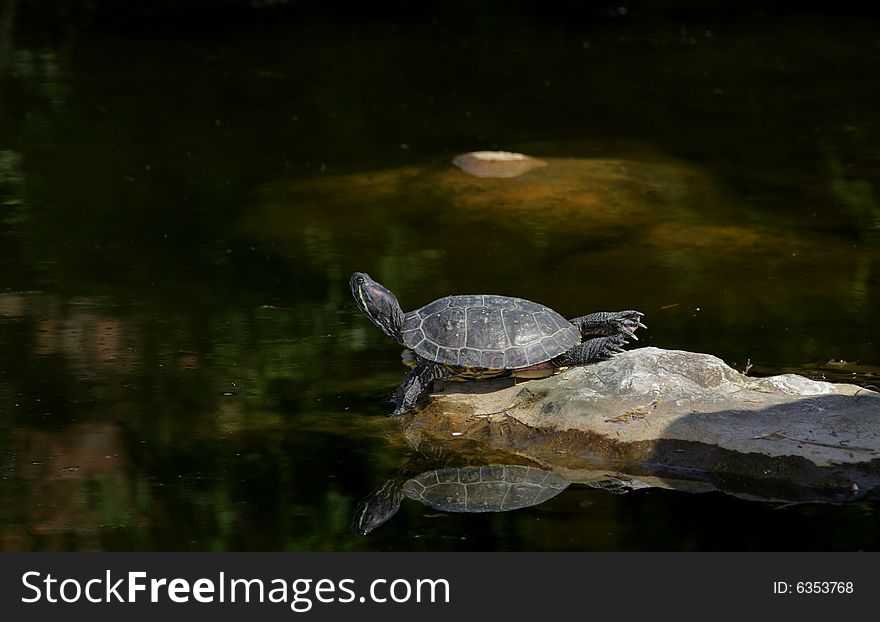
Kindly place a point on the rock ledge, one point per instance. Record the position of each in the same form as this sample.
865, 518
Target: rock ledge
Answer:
654, 412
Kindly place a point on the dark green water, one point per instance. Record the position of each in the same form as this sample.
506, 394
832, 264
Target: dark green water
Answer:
181, 364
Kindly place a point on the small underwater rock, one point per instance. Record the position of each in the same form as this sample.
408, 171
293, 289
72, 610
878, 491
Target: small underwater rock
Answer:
496, 163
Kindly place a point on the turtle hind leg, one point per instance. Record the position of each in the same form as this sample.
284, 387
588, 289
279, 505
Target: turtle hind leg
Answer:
415, 386
592, 351
605, 323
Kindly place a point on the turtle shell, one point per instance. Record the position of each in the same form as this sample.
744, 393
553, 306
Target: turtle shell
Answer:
491, 488
488, 332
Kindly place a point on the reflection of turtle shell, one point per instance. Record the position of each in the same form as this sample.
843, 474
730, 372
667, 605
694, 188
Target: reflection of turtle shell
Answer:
493, 488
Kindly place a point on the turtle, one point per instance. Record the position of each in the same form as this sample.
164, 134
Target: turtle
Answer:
482, 488
475, 337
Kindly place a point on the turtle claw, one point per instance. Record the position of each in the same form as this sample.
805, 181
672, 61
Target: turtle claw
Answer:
629, 329
631, 321
614, 345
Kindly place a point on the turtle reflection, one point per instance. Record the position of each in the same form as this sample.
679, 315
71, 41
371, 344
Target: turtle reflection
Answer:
484, 488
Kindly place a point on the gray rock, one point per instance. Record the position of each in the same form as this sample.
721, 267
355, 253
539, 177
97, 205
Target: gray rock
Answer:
653, 413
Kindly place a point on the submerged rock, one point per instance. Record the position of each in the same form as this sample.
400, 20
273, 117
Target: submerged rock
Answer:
563, 194
664, 415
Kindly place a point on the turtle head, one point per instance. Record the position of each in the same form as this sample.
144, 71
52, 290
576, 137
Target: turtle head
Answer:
378, 303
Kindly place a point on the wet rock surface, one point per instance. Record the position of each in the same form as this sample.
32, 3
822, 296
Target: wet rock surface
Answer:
496, 163
654, 417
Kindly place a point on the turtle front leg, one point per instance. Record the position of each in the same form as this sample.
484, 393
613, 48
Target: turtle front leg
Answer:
606, 323
591, 351
416, 385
